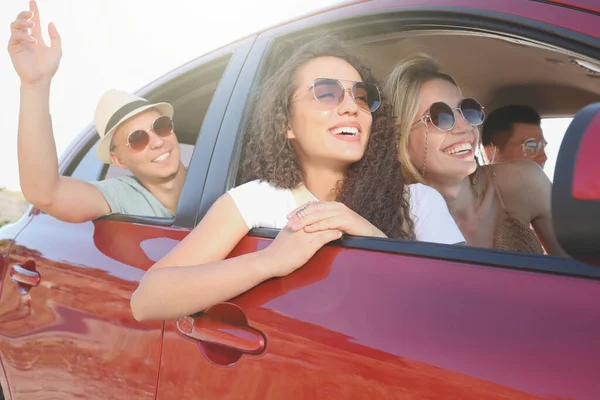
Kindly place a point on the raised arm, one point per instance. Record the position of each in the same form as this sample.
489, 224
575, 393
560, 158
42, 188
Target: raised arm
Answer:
36, 63
195, 276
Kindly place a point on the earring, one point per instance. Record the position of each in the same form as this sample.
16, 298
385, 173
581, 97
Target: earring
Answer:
475, 178
425, 158
493, 153
287, 142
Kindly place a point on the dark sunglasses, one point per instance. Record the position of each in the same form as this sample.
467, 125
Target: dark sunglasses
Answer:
532, 147
139, 139
331, 92
442, 115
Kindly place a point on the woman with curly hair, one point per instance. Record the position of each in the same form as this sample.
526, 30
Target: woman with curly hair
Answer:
318, 134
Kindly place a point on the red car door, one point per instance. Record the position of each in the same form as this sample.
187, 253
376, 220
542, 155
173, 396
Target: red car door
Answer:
358, 323
65, 323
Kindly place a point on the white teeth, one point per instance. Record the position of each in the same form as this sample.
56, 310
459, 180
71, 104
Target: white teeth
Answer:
161, 157
346, 129
460, 149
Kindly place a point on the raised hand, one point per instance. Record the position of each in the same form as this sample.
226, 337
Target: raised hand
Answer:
33, 60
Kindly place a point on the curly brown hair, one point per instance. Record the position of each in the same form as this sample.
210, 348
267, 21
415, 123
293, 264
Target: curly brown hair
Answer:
373, 187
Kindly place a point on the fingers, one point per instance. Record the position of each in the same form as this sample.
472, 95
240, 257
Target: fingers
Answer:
22, 23
313, 213
304, 207
25, 15
297, 223
335, 222
36, 31
21, 37
308, 209
322, 238
55, 41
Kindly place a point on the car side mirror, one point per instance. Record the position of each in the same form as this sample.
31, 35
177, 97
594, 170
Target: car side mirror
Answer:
576, 188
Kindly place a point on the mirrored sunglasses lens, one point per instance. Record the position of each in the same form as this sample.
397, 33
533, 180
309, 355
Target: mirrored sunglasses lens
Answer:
366, 96
138, 140
163, 126
472, 111
328, 92
361, 95
441, 116
531, 148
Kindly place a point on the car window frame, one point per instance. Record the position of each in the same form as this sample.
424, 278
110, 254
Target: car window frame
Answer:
193, 186
85, 143
223, 169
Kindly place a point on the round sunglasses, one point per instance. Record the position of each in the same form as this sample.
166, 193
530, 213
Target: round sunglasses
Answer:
139, 139
331, 92
443, 118
532, 147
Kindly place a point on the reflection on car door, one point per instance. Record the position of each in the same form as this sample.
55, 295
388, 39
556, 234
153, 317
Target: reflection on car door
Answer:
356, 323
66, 329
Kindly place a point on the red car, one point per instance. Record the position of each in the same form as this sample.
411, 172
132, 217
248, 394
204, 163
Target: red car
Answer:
365, 318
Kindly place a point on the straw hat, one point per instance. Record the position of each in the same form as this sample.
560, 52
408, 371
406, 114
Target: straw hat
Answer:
116, 107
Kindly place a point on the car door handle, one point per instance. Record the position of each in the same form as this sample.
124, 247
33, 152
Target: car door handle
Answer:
22, 275
207, 329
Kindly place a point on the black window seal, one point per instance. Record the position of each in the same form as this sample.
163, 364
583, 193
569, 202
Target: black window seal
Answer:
569, 6
463, 254
202, 157
228, 146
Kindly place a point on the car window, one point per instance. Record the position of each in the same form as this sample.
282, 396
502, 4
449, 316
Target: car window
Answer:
554, 131
86, 166
523, 71
190, 93
513, 73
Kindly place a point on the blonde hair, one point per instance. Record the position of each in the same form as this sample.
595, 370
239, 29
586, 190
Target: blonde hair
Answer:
403, 89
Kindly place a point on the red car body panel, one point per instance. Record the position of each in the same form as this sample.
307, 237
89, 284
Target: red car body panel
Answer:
76, 326
563, 17
552, 14
352, 323
389, 324
589, 5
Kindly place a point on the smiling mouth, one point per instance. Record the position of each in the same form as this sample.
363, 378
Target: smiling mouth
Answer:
460, 149
345, 131
162, 157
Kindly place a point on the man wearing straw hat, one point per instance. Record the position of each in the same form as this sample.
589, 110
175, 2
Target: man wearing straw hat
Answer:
134, 134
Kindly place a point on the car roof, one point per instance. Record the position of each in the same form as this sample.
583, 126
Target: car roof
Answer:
583, 5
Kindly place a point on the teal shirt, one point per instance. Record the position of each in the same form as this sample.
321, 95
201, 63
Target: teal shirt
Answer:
125, 195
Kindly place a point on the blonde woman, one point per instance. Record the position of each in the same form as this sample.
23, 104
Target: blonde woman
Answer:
493, 206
